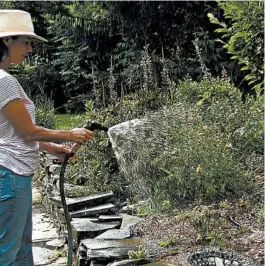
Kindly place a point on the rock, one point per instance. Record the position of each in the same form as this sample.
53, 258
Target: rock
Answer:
58, 243
161, 263
83, 228
131, 262
113, 217
97, 263
43, 229
80, 202
129, 220
42, 256
115, 234
55, 169
100, 249
92, 211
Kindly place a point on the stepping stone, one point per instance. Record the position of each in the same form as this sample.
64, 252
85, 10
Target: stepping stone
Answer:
88, 201
131, 262
42, 256
113, 217
97, 263
163, 263
115, 234
83, 228
129, 220
58, 243
101, 249
93, 211
43, 229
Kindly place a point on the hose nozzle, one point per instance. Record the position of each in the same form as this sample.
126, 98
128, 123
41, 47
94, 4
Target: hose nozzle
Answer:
95, 126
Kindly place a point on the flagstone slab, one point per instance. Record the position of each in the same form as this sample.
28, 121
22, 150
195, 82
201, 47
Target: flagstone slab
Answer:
42, 256
114, 234
132, 262
129, 220
58, 243
101, 249
93, 211
112, 217
87, 201
43, 228
84, 228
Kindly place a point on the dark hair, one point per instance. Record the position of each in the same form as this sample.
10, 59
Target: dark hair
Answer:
4, 49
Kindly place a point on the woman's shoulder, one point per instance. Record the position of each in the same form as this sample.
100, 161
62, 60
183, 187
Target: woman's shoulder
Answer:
7, 78
4, 74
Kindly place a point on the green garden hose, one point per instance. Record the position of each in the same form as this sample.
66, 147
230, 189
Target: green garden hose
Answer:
90, 126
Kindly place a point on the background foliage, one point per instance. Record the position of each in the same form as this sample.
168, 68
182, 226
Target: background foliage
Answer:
115, 61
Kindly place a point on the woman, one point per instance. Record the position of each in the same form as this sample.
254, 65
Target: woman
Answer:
20, 142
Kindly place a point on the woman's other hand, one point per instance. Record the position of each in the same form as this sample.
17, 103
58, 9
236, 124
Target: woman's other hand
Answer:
58, 150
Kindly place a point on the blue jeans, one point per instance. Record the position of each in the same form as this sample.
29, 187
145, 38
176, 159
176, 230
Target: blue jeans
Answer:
15, 219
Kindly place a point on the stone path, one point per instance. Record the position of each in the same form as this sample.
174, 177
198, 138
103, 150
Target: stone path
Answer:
48, 247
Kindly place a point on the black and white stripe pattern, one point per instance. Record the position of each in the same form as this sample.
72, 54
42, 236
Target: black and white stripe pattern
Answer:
16, 154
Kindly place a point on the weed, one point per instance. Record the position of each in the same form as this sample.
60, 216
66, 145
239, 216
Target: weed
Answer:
137, 254
215, 237
244, 203
225, 204
242, 229
170, 241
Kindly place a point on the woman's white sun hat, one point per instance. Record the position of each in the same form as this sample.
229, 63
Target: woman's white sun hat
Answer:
17, 23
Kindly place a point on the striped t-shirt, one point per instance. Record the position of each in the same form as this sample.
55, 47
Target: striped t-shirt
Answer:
16, 154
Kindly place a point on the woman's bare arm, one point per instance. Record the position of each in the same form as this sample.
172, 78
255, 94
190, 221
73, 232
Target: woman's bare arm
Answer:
17, 114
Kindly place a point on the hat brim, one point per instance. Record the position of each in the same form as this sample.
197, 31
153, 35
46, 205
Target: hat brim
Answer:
30, 34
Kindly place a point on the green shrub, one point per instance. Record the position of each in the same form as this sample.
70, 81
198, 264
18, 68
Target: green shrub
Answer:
44, 112
96, 165
200, 166
216, 145
220, 104
66, 121
244, 40
195, 149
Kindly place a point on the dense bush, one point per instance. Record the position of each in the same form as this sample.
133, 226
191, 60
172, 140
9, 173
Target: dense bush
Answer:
220, 104
200, 165
211, 145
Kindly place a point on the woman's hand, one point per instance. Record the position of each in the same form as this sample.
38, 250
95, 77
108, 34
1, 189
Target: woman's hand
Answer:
58, 150
80, 135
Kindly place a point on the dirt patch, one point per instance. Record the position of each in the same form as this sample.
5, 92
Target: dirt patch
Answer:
231, 226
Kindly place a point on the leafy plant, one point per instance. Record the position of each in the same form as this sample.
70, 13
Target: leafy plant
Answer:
204, 220
215, 237
144, 208
168, 242
244, 40
138, 254
225, 204
242, 229
45, 116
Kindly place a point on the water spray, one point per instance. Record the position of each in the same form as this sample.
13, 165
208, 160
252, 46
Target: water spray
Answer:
90, 126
